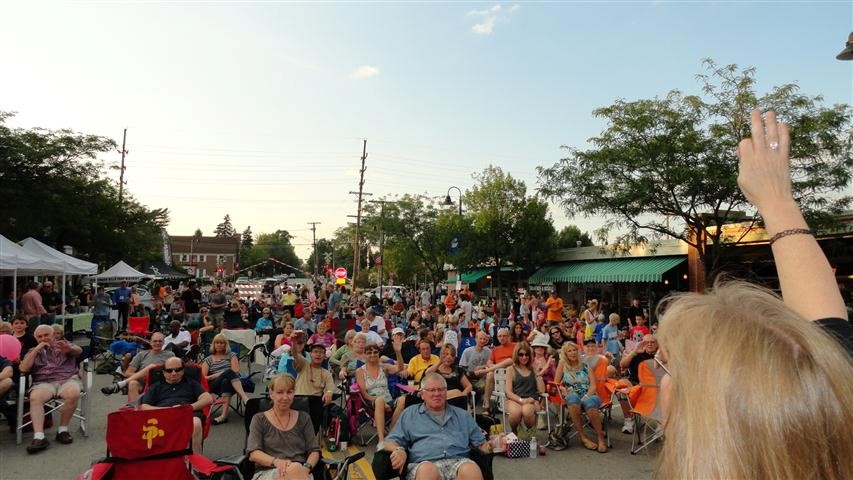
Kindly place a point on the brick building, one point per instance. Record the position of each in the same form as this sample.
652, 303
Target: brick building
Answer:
204, 256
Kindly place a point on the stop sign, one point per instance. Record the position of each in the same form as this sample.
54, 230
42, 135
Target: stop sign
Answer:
340, 272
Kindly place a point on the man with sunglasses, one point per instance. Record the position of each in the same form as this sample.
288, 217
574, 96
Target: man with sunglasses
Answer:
433, 439
179, 390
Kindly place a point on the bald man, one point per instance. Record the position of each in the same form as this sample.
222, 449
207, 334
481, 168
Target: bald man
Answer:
179, 390
137, 371
53, 366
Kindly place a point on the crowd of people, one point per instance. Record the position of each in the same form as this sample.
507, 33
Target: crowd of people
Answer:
737, 359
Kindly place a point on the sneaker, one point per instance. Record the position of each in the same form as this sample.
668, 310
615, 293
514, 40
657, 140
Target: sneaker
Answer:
380, 446
37, 445
628, 427
64, 438
110, 389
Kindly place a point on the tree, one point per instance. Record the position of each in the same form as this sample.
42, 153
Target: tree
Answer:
570, 235
509, 226
197, 234
54, 188
225, 229
667, 166
277, 245
247, 241
417, 237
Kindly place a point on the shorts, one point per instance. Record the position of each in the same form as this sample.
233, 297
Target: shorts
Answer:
217, 319
590, 401
54, 387
446, 467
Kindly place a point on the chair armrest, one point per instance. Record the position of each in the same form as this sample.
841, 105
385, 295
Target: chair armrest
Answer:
381, 466
484, 461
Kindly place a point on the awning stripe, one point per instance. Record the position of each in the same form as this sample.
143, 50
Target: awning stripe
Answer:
621, 270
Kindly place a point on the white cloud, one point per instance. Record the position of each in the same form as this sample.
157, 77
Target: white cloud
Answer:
364, 71
490, 17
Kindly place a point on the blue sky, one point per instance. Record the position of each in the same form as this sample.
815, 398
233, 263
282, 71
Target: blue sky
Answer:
258, 109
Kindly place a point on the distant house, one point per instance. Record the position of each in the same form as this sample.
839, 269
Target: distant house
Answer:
206, 256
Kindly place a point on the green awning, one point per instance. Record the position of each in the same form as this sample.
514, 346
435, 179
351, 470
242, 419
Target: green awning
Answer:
472, 276
646, 269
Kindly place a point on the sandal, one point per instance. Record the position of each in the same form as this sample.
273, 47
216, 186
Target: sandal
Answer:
602, 446
589, 444
219, 421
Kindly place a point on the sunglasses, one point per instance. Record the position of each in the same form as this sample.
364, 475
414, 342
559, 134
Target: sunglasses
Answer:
523, 354
173, 370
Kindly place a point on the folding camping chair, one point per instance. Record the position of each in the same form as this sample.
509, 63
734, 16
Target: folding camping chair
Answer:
103, 333
323, 469
499, 395
82, 413
146, 443
191, 371
643, 400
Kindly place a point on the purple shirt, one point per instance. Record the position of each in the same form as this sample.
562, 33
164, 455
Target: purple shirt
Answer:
53, 366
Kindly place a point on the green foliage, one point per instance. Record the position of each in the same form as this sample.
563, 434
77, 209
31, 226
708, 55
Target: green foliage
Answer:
667, 166
417, 237
225, 229
570, 235
508, 225
54, 188
247, 240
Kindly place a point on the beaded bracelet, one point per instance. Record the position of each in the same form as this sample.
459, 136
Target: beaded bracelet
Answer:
792, 231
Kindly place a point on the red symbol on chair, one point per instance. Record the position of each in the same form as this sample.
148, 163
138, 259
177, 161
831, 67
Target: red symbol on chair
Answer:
150, 432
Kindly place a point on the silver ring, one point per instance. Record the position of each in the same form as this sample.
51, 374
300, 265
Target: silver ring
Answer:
773, 145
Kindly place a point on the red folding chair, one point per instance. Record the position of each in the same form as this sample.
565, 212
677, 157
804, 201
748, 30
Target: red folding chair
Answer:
146, 443
138, 326
191, 371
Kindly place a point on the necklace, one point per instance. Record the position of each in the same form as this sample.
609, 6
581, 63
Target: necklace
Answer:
280, 422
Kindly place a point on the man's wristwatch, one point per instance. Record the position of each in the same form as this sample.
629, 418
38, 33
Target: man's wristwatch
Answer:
308, 465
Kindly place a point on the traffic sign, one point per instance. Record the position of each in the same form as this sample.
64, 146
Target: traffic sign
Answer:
340, 272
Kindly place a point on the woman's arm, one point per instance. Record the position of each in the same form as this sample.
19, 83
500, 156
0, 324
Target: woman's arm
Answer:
591, 390
805, 276
362, 386
235, 364
466, 384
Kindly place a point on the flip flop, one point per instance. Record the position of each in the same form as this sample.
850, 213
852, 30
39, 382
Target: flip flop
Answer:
602, 447
217, 421
589, 444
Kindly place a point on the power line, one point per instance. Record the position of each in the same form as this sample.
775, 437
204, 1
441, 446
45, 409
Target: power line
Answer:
361, 194
314, 235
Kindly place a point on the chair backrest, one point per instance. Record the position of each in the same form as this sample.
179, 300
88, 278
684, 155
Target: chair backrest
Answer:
262, 404
500, 387
599, 372
192, 371
137, 325
644, 396
134, 436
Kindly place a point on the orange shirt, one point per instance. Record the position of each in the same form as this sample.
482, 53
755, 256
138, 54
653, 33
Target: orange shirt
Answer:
501, 352
555, 309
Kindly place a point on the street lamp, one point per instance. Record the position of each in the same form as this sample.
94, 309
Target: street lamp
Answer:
448, 201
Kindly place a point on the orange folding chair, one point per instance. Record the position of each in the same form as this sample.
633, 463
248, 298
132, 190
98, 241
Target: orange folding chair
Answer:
643, 400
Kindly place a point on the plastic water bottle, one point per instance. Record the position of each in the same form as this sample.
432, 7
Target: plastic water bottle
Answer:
534, 449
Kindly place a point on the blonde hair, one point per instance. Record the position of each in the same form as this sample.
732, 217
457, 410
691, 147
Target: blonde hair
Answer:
219, 338
564, 358
756, 390
5, 327
282, 380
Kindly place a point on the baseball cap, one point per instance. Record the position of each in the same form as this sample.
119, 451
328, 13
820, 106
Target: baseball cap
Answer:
398, 330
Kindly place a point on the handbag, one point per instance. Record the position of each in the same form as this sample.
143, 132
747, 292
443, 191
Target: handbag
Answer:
518, 449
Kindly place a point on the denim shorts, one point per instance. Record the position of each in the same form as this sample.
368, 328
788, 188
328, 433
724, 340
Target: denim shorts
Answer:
590, 401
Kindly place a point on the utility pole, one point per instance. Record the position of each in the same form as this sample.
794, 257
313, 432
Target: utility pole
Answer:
316, 255
121, 175
381, 241
361, 194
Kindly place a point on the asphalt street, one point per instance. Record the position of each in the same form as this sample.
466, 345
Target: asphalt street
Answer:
67, 461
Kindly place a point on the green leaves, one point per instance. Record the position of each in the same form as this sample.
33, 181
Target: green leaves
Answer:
665, 166
54, 188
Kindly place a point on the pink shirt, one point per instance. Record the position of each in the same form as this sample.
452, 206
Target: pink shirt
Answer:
31, 303
53, 366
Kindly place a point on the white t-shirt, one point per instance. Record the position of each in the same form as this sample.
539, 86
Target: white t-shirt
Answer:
183, 336
467, 308
379, 323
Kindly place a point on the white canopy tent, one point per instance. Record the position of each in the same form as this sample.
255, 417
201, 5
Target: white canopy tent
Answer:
120, 272
73, 266
15, 260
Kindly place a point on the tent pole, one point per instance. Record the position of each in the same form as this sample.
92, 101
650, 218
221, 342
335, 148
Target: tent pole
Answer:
63, 294
15, 292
